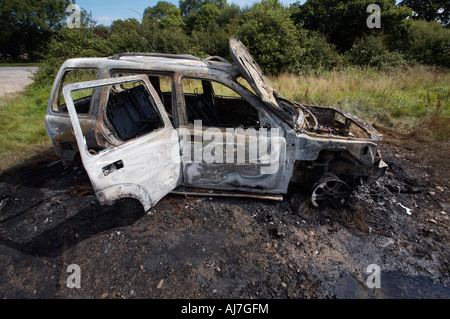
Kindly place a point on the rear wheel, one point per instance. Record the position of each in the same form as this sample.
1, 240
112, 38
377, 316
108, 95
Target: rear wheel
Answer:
329, 190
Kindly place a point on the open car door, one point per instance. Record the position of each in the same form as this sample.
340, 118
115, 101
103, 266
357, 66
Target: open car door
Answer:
146, 165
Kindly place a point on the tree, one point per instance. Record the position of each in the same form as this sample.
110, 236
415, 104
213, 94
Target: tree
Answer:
212, 28
345, 21
25, 25
429, 43
190, 6
229, 14
271, 37
164, 14
430, 10
206, 16
70, 43
218, 3
125, 36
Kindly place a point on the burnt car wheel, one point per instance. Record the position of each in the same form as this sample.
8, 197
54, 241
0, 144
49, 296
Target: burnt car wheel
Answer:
329, 190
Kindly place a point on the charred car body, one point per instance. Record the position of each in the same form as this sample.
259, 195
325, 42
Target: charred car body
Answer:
133, 121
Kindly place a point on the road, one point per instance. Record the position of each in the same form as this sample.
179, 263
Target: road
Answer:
15, 79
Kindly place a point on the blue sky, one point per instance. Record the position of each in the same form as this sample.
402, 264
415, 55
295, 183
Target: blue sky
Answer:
106, 11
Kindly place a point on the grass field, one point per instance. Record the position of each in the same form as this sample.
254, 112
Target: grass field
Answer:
408, 100
411, 101
22, 129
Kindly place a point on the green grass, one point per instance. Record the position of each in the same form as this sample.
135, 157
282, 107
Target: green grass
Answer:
22, 129
413, 100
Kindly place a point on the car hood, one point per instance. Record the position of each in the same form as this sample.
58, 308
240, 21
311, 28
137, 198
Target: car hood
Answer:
251, 71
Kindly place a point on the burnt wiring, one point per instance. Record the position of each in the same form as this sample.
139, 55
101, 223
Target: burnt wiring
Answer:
310, 119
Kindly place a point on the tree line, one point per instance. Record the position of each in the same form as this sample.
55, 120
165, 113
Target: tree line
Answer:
310, 35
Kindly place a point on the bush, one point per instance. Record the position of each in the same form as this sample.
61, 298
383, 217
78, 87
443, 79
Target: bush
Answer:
84, 42
319, 54
126, 36
372, 51
428, 42
271, 37
343, 22
171, 40
266, 28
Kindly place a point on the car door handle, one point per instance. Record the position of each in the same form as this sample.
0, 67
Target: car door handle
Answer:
111, 168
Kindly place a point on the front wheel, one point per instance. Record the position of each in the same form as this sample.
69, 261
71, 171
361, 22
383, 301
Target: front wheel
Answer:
329, 190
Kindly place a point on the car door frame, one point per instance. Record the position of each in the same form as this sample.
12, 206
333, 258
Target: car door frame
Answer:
134, 179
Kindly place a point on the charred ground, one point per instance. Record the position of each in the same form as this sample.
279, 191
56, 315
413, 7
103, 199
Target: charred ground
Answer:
225, 247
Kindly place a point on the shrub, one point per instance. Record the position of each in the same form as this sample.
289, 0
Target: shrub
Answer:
70, 43
271, 37
319, 54
372, 51
126, 36
428, 42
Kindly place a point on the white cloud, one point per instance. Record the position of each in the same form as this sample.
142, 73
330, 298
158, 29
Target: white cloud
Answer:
105, 19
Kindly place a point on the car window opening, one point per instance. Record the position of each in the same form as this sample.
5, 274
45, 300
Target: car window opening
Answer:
82, 98
217, 105
162, 85
132, 112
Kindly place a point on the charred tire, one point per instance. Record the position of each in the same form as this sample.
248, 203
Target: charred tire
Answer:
331, 191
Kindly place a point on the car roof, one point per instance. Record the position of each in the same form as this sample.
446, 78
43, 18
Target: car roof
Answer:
182, 63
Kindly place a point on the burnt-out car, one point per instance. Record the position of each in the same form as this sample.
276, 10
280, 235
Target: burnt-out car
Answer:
147, 124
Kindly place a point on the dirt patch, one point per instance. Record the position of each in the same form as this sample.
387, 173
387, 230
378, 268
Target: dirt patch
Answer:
224, 247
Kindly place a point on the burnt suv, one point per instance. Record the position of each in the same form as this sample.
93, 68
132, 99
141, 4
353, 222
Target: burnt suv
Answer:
147, 124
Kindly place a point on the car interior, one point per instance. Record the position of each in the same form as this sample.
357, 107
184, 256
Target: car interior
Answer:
205, 102
132, 112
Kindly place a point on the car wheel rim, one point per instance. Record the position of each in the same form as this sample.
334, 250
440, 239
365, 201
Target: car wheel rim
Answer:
330, 191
